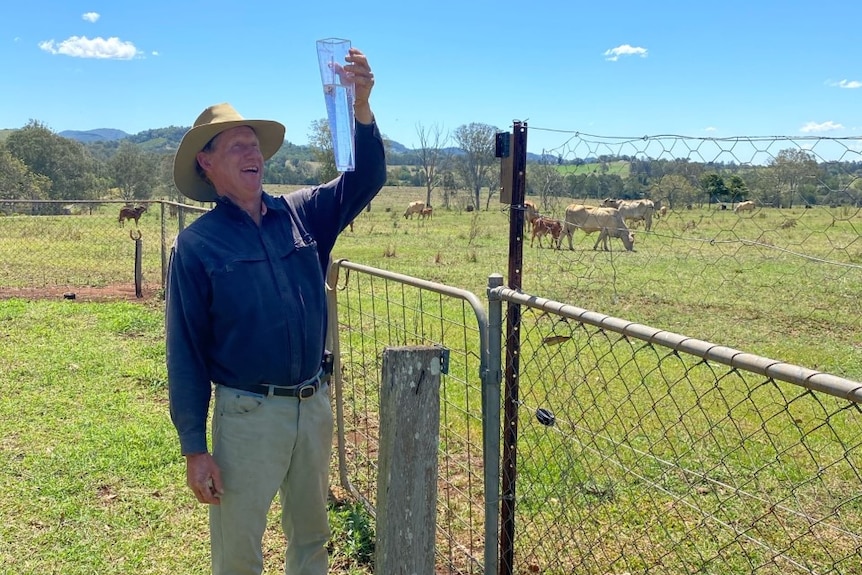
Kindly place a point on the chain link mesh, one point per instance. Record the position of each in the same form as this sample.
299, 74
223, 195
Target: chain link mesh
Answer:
636, 458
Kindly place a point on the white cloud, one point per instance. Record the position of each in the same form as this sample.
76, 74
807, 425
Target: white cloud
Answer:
710, 129
83, 47
155, 53
822, 127
625, 50
91, 16
850, 84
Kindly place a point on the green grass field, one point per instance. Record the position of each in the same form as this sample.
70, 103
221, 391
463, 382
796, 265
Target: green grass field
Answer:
93, 481
618, 168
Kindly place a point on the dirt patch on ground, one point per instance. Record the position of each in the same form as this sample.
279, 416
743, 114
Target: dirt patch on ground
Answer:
82, 293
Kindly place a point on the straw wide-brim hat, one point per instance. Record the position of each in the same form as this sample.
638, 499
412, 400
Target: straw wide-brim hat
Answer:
212, 122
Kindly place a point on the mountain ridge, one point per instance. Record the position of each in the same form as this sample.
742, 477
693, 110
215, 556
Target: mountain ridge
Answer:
168, 138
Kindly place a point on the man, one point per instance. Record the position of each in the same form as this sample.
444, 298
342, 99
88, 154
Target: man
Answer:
246, 312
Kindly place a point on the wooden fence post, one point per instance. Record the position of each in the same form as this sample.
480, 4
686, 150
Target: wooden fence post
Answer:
407, 461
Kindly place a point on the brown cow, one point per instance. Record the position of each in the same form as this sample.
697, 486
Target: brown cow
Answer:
608, 221
130, 213
414, 208
427, 212
543, 226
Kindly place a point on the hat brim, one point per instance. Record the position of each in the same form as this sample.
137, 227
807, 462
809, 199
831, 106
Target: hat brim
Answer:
186, 178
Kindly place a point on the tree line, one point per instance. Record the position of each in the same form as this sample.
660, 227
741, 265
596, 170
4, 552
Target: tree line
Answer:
38, 164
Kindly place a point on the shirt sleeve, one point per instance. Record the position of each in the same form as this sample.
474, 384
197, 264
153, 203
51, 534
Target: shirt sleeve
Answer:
189, 388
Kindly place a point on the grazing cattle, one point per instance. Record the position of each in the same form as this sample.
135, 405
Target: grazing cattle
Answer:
633, 210
427, 212
543, 226
414, 208
129, 213
530, 212
662, 211
744, 207
606, 221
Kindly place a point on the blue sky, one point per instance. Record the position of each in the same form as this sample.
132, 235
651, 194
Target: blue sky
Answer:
701, 69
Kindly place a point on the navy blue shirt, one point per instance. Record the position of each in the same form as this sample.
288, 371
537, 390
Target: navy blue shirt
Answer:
246, 304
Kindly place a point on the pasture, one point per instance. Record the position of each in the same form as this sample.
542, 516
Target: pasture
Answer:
781, 283
90, 458
619, 168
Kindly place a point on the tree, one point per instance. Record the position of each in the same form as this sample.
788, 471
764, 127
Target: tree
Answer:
133, 171
164, 178
675, 189
320, 140
714, 186
71, 169
17, 182
546, 181
450, 187
793, 168
736, 188
431, 156
477, 142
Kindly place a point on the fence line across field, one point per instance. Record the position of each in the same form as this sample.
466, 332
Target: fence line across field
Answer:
54, 248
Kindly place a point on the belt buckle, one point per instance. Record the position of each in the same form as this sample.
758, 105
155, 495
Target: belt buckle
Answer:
306, 391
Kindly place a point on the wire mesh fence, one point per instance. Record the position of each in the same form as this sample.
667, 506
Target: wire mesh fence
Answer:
641, 451
637, 450
780, 276
78, 246
376, 310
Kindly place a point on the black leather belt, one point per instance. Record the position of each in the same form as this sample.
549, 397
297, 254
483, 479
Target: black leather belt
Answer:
304, 390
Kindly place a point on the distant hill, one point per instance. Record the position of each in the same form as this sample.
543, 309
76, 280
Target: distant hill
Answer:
89, 136
162, 140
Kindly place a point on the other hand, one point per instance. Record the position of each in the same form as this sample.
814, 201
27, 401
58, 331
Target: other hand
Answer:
204, 478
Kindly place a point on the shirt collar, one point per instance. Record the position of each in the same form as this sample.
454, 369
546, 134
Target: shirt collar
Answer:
267, 202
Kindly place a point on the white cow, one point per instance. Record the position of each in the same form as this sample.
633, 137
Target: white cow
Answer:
633, 210
414, 208
606, 221
744, 207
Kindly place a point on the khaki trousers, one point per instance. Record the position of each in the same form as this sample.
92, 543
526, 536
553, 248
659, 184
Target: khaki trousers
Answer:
264, 446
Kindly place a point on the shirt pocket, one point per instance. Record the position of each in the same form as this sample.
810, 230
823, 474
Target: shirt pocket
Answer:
239, 283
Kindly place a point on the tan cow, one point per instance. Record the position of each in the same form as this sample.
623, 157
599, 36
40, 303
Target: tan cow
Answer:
530, 212
607, 221
744, 207
414, 208
427, 212
633, 210
543, 226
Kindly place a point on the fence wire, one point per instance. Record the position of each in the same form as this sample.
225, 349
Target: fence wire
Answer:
376, 310
788, 270
86, 247
633, 457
